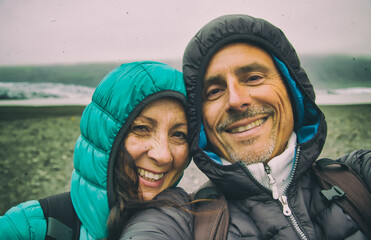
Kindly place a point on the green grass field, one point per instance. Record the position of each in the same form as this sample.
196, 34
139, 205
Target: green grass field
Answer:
37, 144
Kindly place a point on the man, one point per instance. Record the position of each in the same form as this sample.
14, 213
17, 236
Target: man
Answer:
263, 132
255, 131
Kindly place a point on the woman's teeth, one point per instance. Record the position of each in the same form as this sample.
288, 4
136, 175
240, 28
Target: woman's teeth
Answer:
150, 175
248, 126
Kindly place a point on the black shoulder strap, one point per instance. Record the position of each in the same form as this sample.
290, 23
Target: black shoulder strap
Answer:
342, 185
62, 221
211, 214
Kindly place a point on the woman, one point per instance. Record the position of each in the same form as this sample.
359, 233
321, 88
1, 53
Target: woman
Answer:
132, 146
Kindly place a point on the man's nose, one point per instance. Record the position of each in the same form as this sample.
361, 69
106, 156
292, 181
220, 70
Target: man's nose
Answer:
160, 151
239, 97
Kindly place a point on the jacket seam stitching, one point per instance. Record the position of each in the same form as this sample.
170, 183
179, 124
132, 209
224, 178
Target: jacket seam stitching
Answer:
90, 182
95, 146
149, 75
28, 222
105, 112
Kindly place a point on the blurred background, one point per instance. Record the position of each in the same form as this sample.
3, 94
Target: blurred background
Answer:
53, 53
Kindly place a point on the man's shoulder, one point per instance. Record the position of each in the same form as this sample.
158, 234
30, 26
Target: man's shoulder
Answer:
356, 157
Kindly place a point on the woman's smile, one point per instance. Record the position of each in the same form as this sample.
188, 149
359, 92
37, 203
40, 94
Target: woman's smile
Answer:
150, 176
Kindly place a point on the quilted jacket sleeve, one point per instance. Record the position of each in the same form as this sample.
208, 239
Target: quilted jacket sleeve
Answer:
25, 221
167, 222
360, 162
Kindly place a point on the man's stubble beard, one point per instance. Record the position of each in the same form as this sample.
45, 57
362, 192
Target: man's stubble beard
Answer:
254, 156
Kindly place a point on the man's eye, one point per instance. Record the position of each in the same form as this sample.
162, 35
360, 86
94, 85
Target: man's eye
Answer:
213, 94
254, 79
213, 91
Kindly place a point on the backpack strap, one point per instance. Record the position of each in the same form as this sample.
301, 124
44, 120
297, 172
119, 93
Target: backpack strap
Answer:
211, 213
62, 221
343, 186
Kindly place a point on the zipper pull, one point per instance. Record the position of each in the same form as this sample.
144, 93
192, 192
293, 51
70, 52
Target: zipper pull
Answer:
271, 181
286, 208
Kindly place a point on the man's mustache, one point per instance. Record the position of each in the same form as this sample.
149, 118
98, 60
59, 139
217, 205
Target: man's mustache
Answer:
235, 115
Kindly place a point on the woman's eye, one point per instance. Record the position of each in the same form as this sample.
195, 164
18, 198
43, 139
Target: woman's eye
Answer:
140, 128
180, 135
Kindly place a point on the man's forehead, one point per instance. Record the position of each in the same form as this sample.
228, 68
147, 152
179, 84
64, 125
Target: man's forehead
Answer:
238, 71
239, 58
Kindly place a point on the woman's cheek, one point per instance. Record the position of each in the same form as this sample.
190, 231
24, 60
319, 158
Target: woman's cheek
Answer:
182, 156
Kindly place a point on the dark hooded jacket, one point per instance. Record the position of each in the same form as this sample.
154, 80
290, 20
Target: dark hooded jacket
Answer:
254, 214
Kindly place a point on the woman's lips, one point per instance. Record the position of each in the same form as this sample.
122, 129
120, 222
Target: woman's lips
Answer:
150, 176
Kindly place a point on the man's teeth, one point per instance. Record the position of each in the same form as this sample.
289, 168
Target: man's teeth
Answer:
150, 175
248, 126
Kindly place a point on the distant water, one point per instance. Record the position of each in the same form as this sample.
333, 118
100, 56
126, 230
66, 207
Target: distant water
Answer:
25, 93
354, 95
39, 94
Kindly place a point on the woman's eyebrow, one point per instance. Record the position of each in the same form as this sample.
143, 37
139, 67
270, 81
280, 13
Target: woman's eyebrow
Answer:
144, 118
179, 125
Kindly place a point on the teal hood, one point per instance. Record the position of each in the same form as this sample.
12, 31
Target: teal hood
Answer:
116, 102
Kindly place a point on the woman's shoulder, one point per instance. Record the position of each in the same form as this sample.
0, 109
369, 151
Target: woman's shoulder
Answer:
177, 195
24, 221
172, 220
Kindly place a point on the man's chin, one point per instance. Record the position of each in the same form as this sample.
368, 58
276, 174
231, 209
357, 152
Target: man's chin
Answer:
250, 156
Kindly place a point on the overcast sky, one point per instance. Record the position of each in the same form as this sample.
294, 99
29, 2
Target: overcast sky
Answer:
71, 31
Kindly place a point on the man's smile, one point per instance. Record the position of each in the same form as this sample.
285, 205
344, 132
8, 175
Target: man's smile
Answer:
246, 127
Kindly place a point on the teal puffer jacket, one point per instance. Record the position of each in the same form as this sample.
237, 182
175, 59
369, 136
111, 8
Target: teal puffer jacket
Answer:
116, 102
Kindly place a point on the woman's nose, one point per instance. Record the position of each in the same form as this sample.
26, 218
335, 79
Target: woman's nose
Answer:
160, 151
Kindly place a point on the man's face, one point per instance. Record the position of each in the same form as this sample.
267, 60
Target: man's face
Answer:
246, 108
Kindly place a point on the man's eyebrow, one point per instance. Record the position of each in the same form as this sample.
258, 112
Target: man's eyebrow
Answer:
255, 66
213, 80
251, 68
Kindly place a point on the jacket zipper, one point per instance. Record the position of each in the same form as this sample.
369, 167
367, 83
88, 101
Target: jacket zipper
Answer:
285, 205
287, 213
282, 199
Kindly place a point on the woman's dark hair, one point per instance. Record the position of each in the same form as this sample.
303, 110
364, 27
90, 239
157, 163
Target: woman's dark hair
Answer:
127, 197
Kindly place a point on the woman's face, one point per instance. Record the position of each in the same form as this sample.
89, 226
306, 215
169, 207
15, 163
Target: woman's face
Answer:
157, 143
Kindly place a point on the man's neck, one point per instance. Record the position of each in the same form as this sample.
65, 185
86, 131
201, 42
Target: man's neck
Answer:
280, 167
